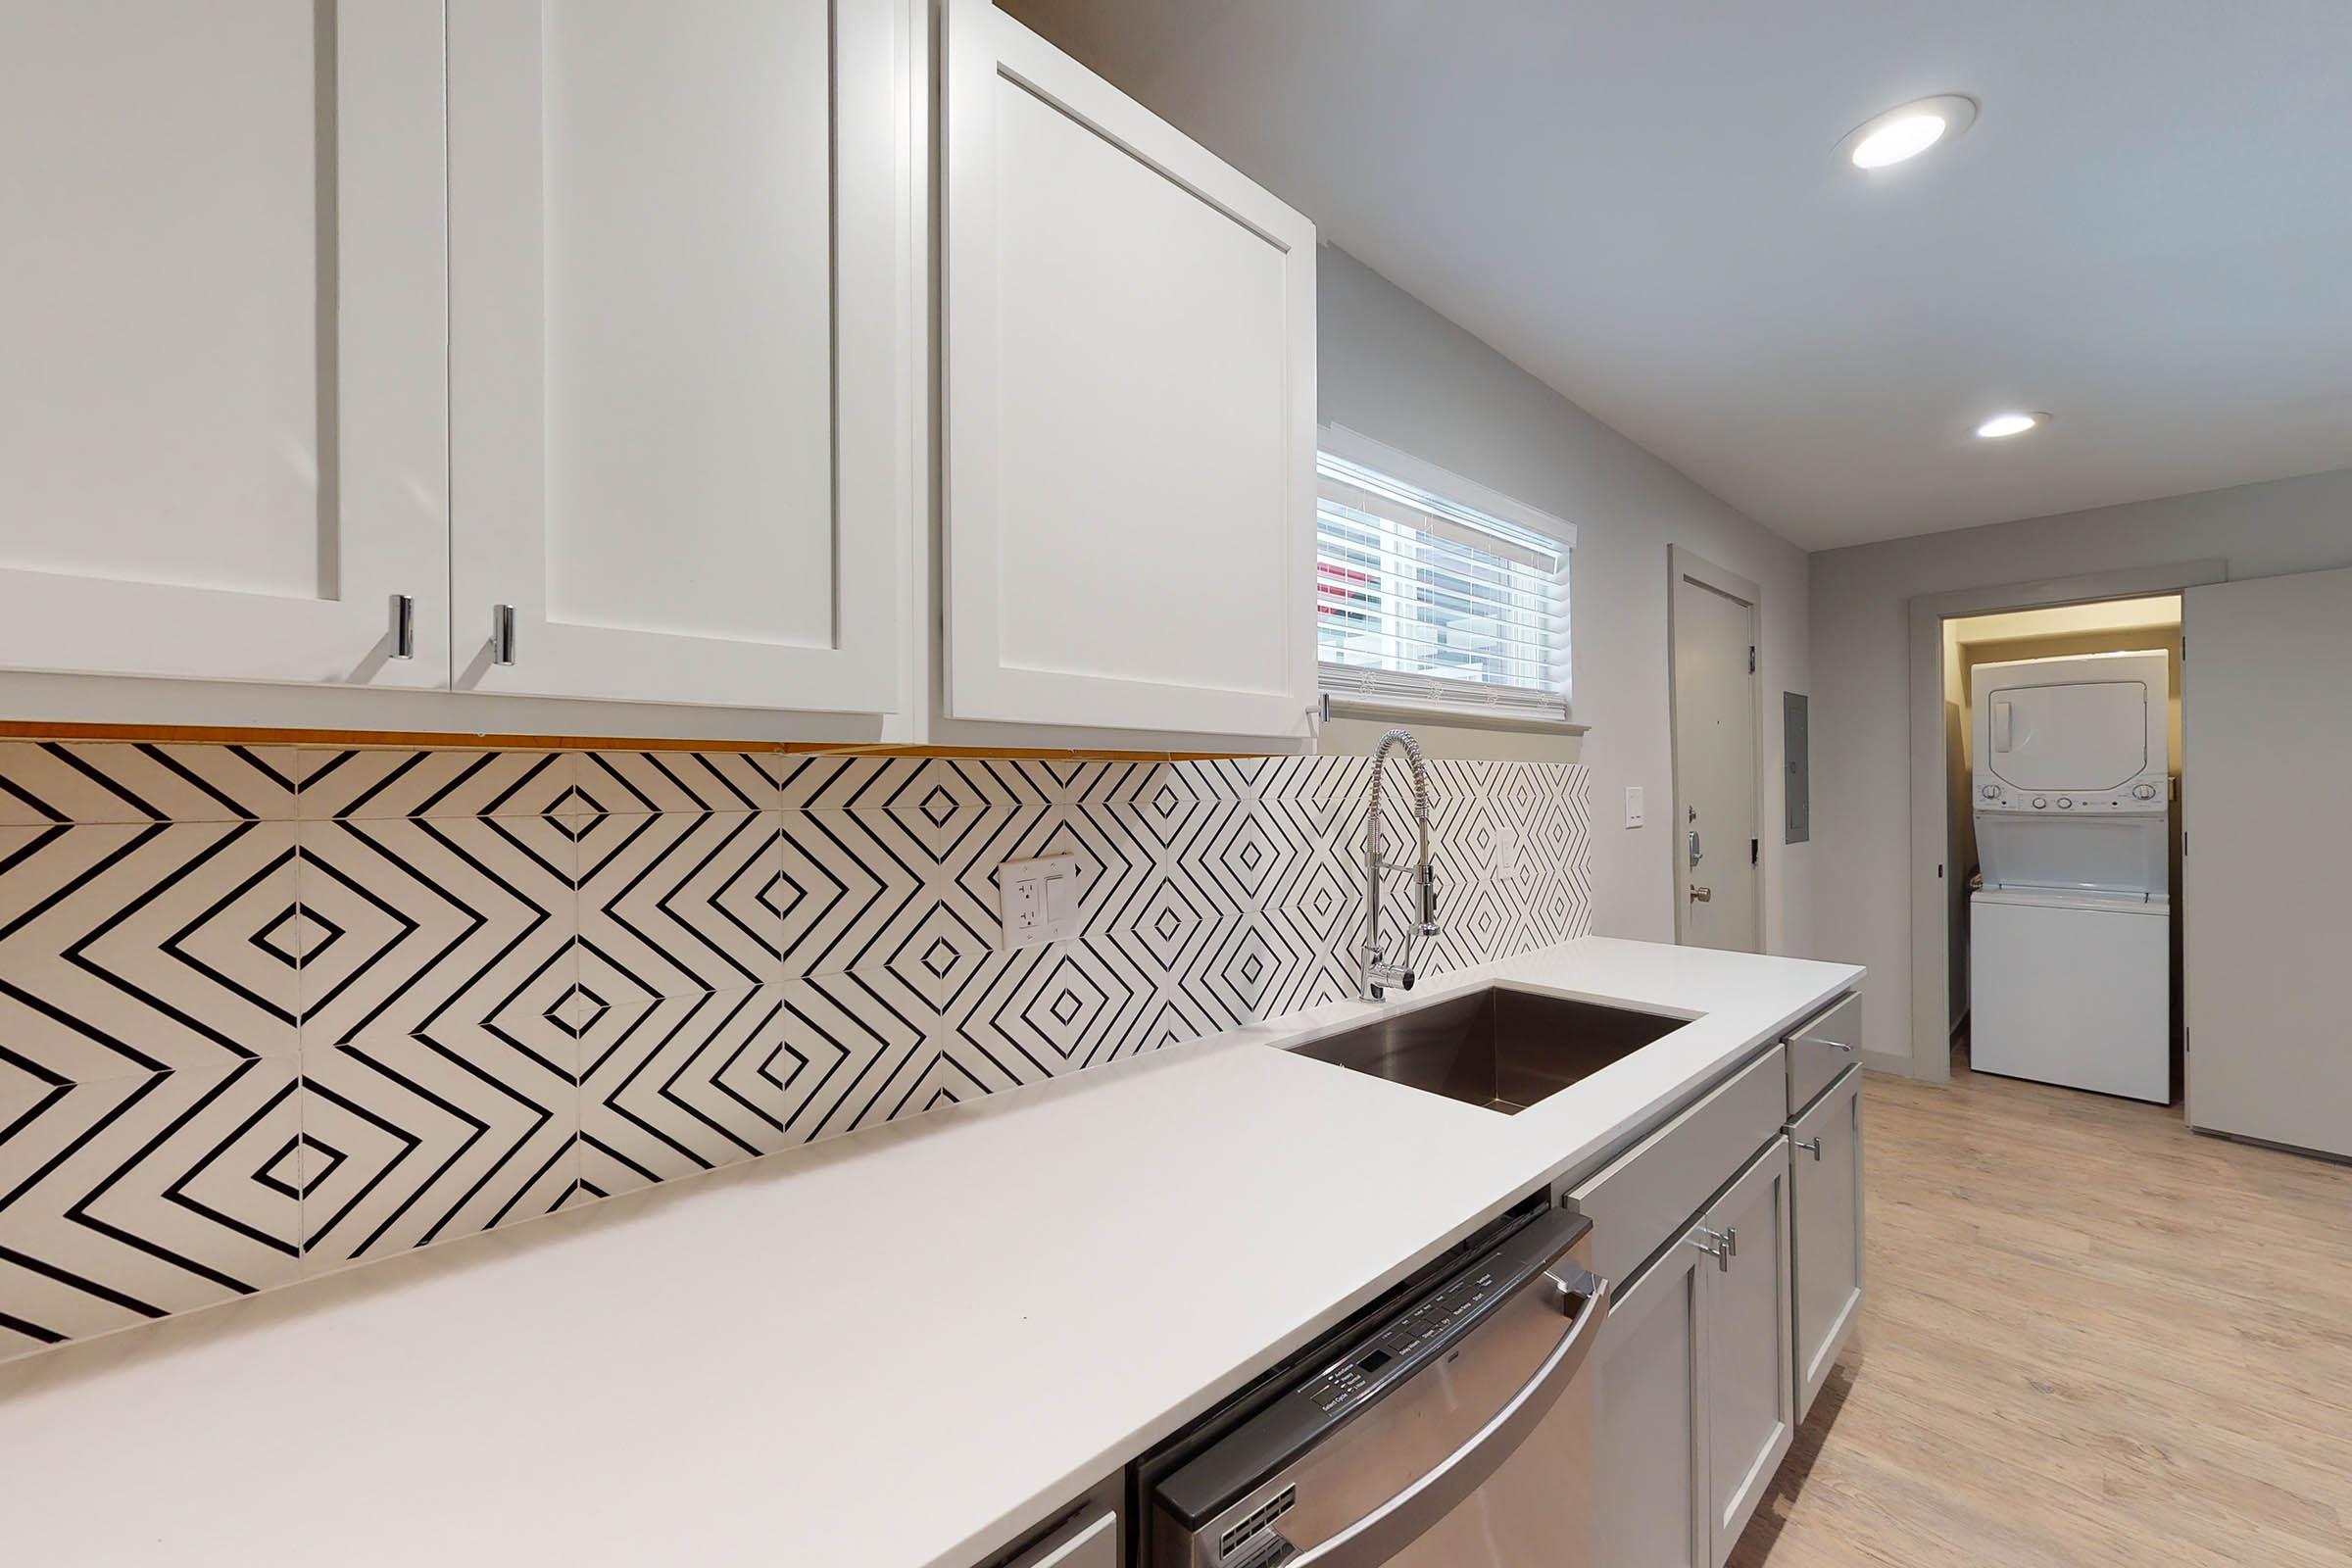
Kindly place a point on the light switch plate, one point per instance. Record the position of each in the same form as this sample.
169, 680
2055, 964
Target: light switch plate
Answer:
1633, 805
1039, 900
1502, 855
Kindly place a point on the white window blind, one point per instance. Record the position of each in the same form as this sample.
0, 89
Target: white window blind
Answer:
1425, 601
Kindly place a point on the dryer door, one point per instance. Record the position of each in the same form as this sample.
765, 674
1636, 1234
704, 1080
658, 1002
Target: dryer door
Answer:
2086, 737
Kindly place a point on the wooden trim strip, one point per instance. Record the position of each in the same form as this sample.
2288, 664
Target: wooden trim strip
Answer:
227, 735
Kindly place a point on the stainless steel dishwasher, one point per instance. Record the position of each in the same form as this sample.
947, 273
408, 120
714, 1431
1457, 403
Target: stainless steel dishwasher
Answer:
1448, 1427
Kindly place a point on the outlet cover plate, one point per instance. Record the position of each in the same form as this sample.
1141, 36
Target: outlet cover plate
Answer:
1039, 900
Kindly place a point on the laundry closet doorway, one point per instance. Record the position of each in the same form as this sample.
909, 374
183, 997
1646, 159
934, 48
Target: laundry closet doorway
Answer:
1951, 633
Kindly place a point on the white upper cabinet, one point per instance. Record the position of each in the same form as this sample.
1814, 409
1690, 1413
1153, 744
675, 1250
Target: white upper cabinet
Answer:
680, 260
223, 405
1128, 405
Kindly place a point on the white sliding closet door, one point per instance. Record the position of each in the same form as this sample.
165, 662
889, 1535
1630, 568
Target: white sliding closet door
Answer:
2266, 712
680, 298
223, 415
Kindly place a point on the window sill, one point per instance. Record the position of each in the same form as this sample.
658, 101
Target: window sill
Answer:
1337, 705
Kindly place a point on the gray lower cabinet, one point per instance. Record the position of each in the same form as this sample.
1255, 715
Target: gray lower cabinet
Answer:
1649, 1418
1826, 1184
1693, 1395
1752, 1395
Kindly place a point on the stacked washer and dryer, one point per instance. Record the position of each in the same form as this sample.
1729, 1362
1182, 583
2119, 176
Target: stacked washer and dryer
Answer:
2070, 960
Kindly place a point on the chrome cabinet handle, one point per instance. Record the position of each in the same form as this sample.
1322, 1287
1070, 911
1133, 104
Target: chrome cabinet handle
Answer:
1811, 1145
1731, 1243
404, 626
1379, 1535
501, 635
1717, 1246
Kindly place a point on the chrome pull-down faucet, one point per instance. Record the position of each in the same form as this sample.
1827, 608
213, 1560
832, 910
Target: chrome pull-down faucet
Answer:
1378, 973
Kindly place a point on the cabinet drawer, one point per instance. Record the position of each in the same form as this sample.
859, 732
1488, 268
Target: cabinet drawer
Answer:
1644, 1198
1090, 1541
1821, 1048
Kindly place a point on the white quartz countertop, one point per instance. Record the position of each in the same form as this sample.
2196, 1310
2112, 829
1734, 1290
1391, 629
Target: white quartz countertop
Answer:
900, 1349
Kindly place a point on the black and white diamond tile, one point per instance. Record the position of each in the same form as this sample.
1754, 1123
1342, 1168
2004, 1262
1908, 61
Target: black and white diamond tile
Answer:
439, 923
46, 782
389, 782
838, 892
135, 949
129, 1198
691, 1083
425, 1139
906, 784
686, 1084
1050, 1010
629, 782
685, 900
514, 981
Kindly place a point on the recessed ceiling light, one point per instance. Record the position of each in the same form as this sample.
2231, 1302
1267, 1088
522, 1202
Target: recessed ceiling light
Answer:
2001, 424
1908, 130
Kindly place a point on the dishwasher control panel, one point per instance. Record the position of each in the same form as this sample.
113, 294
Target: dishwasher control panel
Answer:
1397, 1339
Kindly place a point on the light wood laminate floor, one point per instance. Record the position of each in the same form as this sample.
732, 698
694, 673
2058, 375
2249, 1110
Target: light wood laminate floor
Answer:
2091, 1337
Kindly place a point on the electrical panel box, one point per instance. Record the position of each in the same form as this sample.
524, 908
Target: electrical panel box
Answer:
1796, 749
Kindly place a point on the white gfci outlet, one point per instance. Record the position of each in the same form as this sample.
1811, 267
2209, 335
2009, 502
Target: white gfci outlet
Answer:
1040, 900
1502, 855
1633, 805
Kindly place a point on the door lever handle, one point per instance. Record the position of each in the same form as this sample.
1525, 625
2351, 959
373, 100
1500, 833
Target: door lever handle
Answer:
1696, 854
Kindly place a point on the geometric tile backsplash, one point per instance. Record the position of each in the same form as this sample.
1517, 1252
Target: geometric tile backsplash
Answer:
267, 1012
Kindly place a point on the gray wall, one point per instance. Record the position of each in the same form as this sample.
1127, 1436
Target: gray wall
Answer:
1394, 369
1861, 720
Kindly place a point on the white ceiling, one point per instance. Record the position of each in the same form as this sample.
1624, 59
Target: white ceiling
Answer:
2148, 231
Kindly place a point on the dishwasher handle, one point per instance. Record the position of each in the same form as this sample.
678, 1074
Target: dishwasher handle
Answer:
1402, 1520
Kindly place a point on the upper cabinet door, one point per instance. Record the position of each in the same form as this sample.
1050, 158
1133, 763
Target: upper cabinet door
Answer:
681, 294
1128, 405
223, 405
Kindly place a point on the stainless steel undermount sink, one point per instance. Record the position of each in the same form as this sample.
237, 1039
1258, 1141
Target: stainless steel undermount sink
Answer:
1500, 1049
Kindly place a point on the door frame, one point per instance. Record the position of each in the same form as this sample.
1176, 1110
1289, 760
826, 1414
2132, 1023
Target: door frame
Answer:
1928, 1054
1682, 563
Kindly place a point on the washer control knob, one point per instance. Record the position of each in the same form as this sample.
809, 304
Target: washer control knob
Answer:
1991, 790
2143, 792
2039, 801
2065, 803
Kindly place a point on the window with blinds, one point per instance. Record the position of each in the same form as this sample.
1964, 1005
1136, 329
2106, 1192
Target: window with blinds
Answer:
1426, 602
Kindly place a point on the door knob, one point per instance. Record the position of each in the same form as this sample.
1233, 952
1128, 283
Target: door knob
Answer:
1699, 894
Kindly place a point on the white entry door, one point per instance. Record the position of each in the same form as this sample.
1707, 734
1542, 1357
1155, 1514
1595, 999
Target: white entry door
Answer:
2267, 743
1716, 842
223, 394
679, 270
